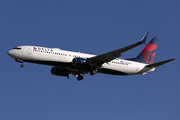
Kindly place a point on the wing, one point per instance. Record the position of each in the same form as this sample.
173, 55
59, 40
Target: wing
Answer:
107, 57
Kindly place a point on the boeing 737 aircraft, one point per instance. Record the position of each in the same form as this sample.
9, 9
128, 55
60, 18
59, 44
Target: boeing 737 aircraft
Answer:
78, 64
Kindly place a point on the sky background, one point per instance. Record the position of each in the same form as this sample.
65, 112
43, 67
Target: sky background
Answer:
96, 27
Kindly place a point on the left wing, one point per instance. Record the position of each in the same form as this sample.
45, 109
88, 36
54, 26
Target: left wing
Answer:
107, 57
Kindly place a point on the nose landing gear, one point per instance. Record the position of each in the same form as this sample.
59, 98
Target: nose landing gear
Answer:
20, 61
22, 65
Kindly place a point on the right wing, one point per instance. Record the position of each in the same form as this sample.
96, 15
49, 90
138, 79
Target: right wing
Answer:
107, 57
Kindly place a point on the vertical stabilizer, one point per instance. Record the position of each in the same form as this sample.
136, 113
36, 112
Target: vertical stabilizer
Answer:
148, 53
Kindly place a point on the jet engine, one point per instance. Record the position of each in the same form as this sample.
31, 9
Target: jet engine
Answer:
80, 62
59, 71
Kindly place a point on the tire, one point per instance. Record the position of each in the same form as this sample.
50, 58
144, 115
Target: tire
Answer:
22, 65
93, 72
80, 77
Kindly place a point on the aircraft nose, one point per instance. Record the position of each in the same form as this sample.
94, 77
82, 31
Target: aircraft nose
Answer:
10, 52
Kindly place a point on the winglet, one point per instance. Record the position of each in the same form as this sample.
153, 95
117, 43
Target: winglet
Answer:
144, 38
159, 63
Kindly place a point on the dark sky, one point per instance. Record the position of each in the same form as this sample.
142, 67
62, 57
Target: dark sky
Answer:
96, 27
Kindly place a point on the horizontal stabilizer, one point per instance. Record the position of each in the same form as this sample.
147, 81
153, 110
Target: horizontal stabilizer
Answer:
159, 63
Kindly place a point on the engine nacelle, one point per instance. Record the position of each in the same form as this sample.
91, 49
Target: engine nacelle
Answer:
59, 71
80, 62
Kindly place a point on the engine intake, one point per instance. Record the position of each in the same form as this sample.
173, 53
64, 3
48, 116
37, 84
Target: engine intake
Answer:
80, 62
59, 71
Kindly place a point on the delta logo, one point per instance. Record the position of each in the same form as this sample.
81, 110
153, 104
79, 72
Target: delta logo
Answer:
43, 49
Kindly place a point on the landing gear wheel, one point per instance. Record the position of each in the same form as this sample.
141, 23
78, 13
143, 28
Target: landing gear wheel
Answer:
80, 77
93, 72
22, 65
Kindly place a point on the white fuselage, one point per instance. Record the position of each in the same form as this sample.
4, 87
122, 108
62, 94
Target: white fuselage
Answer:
62, 58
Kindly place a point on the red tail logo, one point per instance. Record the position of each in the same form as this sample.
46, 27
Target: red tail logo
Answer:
149, 53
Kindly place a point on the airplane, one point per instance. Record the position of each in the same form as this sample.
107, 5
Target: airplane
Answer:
78, 64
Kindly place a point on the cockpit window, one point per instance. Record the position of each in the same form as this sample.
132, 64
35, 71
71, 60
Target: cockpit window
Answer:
17, 48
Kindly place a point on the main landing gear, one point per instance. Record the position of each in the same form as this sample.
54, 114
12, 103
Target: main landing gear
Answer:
93, 72
80, 77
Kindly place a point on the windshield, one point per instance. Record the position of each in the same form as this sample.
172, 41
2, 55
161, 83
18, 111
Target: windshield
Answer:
17, 48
